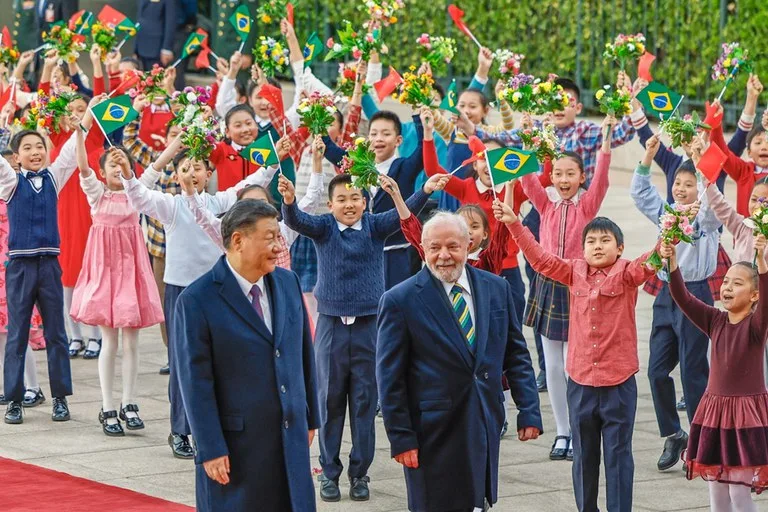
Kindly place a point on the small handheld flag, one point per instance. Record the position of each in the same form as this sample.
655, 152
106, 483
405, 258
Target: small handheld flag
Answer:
80, 22
289, 12
387, 86
242, 21
658, 100
128, 36
6, 41
644, 66
451, 99
205, 43
711, 162
261, 152
457, 15
506, 164
114, 113
313, 49
111, 17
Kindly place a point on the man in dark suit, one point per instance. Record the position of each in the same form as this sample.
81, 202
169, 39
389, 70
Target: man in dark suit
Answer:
445, 336
247, 376
155, 42
50, 11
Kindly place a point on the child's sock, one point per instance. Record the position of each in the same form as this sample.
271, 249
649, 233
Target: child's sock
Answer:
130, 367
107, 370
93, 334
73, 328
30, 370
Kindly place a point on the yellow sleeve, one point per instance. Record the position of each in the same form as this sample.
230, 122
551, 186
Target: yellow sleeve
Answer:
443, 126
507, 116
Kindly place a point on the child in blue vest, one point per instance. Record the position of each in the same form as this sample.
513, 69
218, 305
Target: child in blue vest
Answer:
350, 258
33, 275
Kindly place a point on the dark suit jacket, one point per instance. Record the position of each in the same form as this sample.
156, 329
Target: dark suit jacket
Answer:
62, 9
247, 393
439, 398
158, 27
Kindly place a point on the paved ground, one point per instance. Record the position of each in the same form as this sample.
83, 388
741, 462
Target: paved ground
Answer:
528, 481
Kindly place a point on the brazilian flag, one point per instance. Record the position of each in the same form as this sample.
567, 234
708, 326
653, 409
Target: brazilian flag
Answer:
80, 22
241, 20
658, 100
194, 41
261, 152
313, 49
451, 99
507, 164
114, 113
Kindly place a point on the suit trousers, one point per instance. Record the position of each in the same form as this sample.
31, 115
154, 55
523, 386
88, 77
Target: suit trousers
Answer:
179, 423
608, 413
674, 339
29, 281
345, 358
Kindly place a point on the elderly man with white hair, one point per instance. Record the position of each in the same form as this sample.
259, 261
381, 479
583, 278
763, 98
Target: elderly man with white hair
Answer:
445, 336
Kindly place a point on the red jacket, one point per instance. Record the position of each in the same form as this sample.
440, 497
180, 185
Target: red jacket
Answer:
231, 168
745, 174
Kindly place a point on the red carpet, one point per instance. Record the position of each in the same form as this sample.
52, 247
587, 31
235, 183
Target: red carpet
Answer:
58, 491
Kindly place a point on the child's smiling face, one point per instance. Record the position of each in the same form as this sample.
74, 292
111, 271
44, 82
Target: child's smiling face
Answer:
684, 189
758, 192
471, 104
567, 177
32, 152
758, 149
567, 116
242, 128
601, 249
738, 292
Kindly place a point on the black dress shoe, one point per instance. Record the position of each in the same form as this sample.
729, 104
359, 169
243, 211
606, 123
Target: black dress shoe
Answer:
110, 429
92, 354
358, 490
559, 453
33, 401
13, 415
329, 489
180, 446
569, 455
681, 404
60, 409
165, 370
75, 347
541, 382
673, 448
3, 400
133, 422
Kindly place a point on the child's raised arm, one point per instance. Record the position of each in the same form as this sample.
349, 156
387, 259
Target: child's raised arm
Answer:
204, 218
82, 153
644, 194
759, 320
697, 312
311, 226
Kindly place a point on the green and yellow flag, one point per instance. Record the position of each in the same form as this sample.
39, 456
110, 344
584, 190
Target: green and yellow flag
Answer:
81, 21
194, 41
261, 152
451, 99
114, 113
241, 20
505, 164
313, 49
658, 100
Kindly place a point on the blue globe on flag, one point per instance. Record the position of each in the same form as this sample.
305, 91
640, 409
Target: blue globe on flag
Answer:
661, 102
512, 161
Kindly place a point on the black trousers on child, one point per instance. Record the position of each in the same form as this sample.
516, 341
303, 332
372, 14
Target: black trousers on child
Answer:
606, 413
674, 339
179, 423
29, 281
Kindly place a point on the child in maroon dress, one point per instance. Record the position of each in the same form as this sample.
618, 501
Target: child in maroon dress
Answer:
728, 444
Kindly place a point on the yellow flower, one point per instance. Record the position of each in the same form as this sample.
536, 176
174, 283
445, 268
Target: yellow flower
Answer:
516, 97
727, 63
393, 19
359, 141
546, 86
263, 49
641, 47
266, 18
599, 94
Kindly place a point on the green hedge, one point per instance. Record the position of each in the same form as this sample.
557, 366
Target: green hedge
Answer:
567, 36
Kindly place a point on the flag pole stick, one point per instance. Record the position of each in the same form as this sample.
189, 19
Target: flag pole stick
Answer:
174, 64
41, 47
279, 166
242, 45
661, 131
729, 80
214, 55
96, 120
474, 39
456, 170
213, 69
490, 175
127, 36
85, 23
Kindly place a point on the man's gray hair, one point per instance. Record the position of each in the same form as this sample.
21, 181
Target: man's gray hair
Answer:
441, 218
243, 217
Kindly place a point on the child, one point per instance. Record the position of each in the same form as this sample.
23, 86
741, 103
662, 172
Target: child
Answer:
385, 136
189, 253
116, 289
728, 447
674, 339
602, 353
33, 274
565, 208
347, 297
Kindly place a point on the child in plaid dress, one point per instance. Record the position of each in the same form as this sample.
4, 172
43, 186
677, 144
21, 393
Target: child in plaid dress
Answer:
565, 209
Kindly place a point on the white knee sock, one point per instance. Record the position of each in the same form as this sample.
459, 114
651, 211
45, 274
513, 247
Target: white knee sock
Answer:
130, 366
741, 496
719, 498
107, 368
556, 385
72, 327
92, 333
30, 370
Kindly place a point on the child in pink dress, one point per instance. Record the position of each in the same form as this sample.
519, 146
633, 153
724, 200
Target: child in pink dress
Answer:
728, 444
116, 288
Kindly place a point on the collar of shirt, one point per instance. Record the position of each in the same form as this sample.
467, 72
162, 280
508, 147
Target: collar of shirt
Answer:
262, 122
595, 270
474, 255
159, 108
463, 281
357, 226
482, 188
237, 147
383, 167
760, 170
244, 284
555, 197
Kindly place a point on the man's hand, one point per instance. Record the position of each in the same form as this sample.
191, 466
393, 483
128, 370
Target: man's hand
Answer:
286, 189
166, 57
409, 459
218, 469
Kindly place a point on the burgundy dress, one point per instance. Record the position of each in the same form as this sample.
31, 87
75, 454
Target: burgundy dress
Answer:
729, 435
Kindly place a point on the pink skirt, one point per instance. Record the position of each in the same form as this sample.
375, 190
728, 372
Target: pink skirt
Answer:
729, 440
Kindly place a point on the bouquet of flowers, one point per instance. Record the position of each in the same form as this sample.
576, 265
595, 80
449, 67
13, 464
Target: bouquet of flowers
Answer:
272, 10
415, 90
758, 221
509, 63
271, 56
542, 141
383, 12
150, 84
625, 48
549, 97
317, 113
519, 92
682, 130
47, 112
200, 132
733, 59
9, 56
360, 163
527, 94
345, 85
438, 51
356, 44
675, 225
67, 43
104, 37
614, 102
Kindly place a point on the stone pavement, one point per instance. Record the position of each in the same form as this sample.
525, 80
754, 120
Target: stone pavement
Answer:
528, 481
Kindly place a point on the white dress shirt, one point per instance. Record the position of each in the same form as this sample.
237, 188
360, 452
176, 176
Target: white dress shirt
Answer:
383, 168
246, 286
357, 226
466, 292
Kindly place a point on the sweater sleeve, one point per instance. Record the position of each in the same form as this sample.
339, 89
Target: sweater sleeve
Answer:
737, 169
386, 223
645, 195
593, 197
727, 214
311, 226
759, 320
697, 312
411, 228
535, 192
333, 153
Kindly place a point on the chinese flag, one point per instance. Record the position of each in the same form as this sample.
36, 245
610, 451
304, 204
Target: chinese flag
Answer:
477, 148
130, 79
644, 66
203, 61
274, 96
111, 16
711, 162
289, 12
9, 95
387, 86
7, 41
457, 15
